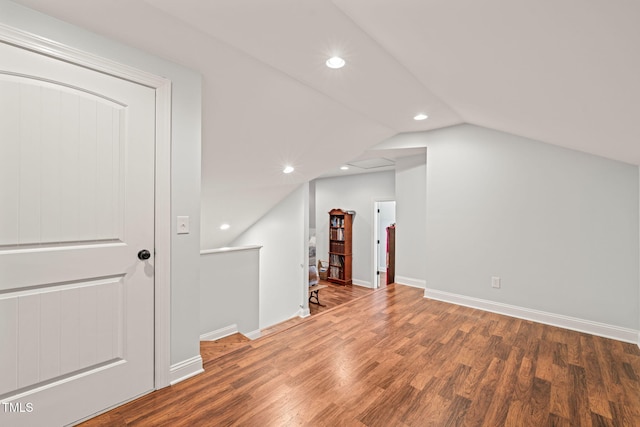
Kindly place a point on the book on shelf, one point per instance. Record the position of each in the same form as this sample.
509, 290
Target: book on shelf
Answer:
337, 247
336, 260
337, 234
337, 221
336, 273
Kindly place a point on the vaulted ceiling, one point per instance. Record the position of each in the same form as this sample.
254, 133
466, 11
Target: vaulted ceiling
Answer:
562, 72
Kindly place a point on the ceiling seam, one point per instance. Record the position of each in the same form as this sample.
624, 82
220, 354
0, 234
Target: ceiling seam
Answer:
400, 63
279, 71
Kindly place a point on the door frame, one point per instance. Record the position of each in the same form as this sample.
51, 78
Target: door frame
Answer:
376, 237
162, 208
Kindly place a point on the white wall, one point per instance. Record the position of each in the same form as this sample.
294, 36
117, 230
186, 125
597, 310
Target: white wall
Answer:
229, 291
185, 159
283, 258
559, 227
358, 193
410, 219
312, 205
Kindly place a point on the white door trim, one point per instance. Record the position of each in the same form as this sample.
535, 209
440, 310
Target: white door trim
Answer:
304, 304
162, 207
376, 225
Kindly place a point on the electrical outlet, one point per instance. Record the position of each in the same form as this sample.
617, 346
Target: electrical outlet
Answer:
495, 282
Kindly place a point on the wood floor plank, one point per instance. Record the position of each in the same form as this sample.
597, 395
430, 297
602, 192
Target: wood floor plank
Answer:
544, 367
482, 398
498, 408
560, 391
579, 398
393, 358
597, 394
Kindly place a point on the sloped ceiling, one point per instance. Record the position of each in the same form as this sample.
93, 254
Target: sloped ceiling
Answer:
564, 72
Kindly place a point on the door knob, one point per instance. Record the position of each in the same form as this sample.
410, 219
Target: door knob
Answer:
144, 255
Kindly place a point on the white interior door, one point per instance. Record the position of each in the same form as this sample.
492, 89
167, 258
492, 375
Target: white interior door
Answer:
76, 207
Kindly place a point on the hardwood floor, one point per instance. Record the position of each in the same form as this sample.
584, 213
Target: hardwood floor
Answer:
331, 297
334, 295
393, 358
210, 350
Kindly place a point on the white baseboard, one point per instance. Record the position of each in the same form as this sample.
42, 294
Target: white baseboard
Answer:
185, 369
304, 312
300, 313
220, 333
363, 283
252, 335
409, 281
566, 322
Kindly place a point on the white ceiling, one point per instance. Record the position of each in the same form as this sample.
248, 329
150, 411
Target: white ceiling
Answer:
563, 72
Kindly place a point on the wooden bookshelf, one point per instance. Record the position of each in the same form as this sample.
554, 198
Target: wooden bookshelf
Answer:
340, 249
391, 254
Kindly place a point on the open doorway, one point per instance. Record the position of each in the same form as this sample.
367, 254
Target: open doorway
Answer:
384, 253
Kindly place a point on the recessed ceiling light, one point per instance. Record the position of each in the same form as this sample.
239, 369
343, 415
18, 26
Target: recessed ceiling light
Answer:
344, 168
420, 116
287, 169
224, 227
335, 62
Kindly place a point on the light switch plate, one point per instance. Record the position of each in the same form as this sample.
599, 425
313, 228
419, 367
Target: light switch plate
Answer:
183, 225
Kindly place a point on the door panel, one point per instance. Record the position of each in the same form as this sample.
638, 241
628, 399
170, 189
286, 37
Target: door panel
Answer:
77, 191
62, 330
56, 189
